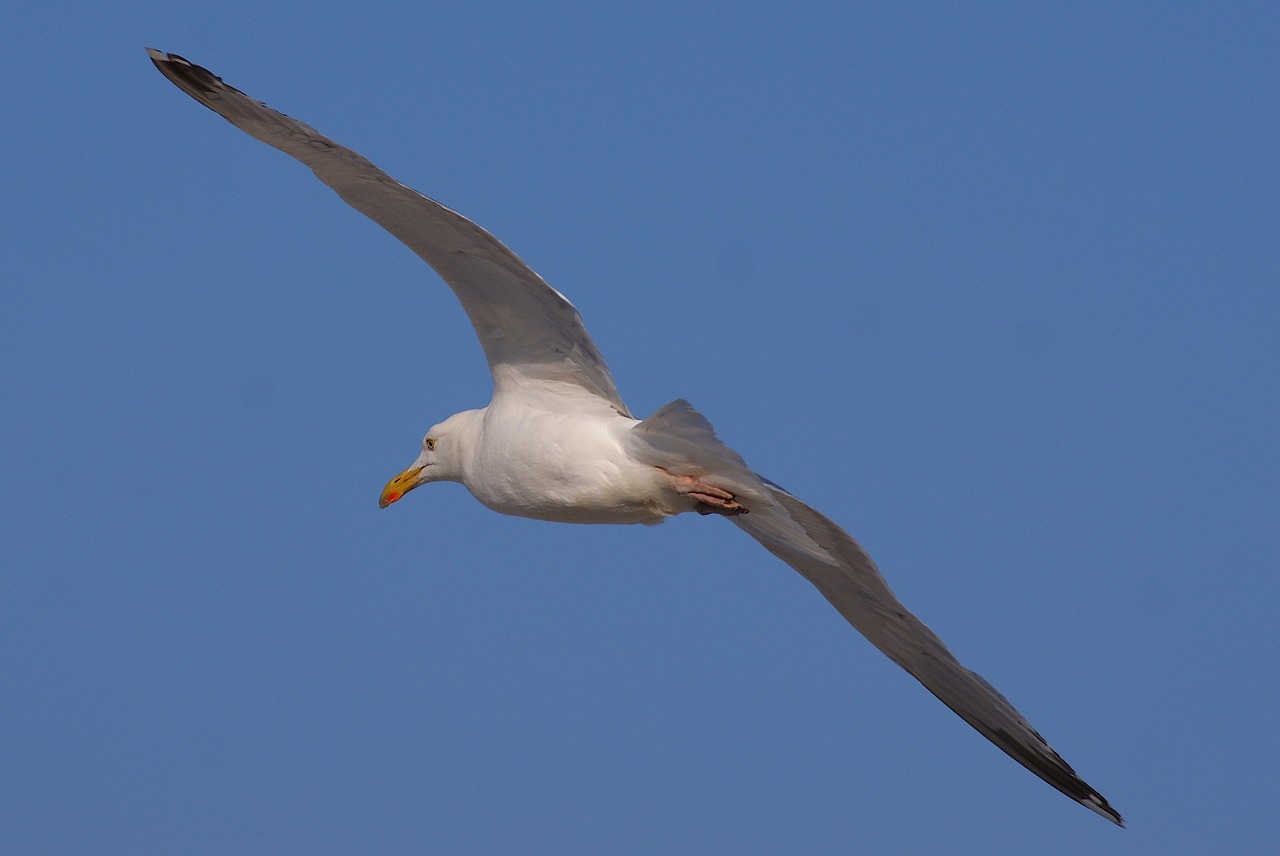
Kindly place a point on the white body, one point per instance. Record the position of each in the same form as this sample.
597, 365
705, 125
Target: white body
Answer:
532, 462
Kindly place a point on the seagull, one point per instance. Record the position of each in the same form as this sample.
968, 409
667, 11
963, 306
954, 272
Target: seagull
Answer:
557, 443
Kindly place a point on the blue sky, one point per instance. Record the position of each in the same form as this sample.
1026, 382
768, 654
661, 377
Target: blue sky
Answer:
996, 288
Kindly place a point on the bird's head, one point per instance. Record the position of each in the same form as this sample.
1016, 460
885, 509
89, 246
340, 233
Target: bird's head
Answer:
439, 460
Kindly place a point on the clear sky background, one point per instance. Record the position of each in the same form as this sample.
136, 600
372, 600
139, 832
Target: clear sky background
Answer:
997, 289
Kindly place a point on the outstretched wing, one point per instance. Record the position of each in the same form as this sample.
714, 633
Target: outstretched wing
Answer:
853, 585
528, 330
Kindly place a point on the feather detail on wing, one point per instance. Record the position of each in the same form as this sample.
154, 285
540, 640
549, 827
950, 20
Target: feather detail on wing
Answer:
528, 330
854, 586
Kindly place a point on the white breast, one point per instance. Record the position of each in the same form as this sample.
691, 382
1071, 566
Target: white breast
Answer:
565, 467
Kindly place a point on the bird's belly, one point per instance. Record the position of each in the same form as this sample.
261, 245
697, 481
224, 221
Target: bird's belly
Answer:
582, 482
566, 496
562, 512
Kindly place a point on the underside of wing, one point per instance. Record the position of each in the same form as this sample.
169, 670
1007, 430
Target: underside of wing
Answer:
528, 330
854, 586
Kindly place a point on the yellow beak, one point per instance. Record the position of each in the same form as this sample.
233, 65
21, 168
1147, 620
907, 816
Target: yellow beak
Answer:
400, 485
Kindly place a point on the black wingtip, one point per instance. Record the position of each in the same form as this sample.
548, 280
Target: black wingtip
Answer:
169, 64
1099, 804
198, 82
160, 58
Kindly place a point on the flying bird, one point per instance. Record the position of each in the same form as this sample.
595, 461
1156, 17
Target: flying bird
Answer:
557, 442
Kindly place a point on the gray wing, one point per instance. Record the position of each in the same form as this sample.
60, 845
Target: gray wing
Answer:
528, 330
853, 585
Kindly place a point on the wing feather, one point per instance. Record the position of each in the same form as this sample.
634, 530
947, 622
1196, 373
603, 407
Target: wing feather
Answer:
854, 586
528, 330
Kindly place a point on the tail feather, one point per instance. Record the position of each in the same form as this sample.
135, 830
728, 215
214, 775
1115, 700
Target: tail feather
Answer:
681, 441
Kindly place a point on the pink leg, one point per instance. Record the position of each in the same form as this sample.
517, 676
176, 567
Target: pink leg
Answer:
711, 499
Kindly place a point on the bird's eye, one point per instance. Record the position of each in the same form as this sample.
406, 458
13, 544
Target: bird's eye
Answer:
431, 444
